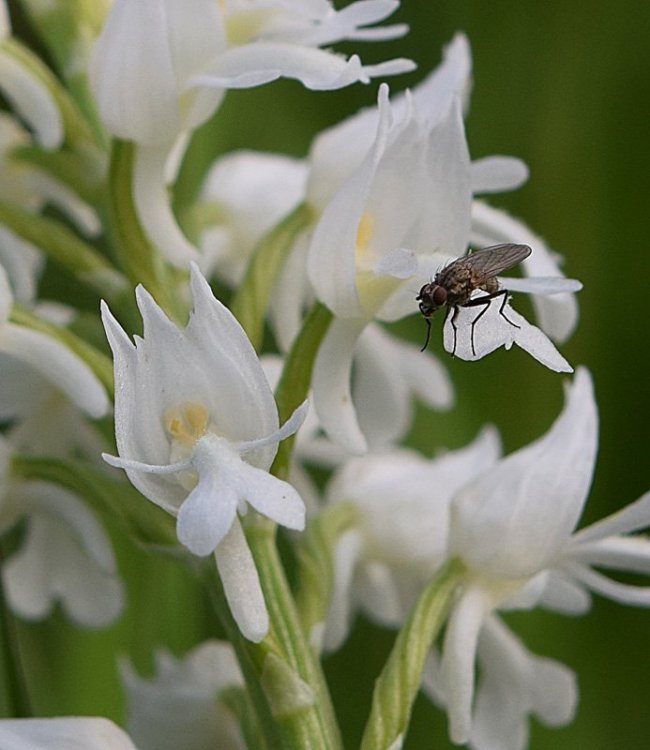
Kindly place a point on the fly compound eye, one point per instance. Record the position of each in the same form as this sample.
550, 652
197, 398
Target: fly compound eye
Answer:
439, 296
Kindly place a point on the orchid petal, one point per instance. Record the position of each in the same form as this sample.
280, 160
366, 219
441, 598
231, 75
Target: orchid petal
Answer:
540, 284
142, 60
633, 517
558, 315
154, 209
458, 655
69, 733
515, 519
629, 553
517, 683
260, 62
331, 263
241, 584
32, 100
272, 497
59, 365
622, 593
209, 510
495, 174
331, 384
471, 333
66, 556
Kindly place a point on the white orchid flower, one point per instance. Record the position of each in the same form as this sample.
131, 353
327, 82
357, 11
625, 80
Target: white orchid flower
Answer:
513, 685
63, 733
179, 708
65, 557
403, 501
245, 193
161, 68
197, 430
513, 527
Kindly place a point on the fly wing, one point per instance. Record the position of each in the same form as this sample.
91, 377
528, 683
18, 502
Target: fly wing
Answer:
491, 261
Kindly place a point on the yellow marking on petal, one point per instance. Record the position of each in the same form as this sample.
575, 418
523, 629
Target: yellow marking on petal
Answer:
365, 231
244, 26
374, 290
187, 422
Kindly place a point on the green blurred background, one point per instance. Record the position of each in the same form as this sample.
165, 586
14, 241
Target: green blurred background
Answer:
565, 87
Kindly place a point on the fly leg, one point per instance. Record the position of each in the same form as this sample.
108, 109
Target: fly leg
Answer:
453, 325
485, 301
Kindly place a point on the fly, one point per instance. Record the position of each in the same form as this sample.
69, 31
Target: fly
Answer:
454, 284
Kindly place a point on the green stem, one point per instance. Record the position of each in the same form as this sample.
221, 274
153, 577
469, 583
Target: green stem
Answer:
66, 248
314, 726
139, 259
397, 686
295, 382
252, 297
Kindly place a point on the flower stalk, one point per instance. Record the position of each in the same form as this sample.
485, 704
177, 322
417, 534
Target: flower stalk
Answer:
397, 686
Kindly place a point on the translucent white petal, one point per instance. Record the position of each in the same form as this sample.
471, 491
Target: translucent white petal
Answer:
154, 209
381, 398
57, 364
558, 315
31, 100
63, 734
425, 375
450, 80
633, 517
400, 263
241, 584
495, 174
132, 74
331, 384
327, 27
179, 706
514, 520
514, 685
66, 558
379, 594
260, 62
562, 594
208, 512
251, 192
331, 263
272, 497
142, 59
458, 656
22, 263
629, 553
445, 221
622, 593
477, 331
540, 284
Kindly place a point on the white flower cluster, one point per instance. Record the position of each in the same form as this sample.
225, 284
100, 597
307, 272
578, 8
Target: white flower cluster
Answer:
390, 199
